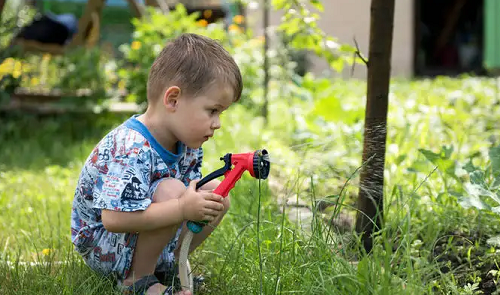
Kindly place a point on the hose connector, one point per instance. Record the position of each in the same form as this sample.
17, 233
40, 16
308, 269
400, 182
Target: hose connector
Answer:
195, 227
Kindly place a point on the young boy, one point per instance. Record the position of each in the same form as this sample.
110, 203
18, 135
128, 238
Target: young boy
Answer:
138, 186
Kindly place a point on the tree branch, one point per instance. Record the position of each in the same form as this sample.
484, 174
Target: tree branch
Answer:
358, 52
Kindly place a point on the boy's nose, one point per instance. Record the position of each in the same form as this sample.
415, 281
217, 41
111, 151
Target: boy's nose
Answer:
216, 124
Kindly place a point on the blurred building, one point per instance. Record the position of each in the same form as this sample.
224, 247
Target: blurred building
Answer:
431, 37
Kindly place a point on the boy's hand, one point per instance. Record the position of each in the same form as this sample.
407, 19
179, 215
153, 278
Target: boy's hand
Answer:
200, 205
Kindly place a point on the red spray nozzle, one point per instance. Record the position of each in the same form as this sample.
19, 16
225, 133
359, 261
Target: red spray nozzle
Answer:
256, 163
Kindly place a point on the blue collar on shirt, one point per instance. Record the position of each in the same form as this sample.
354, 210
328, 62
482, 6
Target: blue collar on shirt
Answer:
167, 156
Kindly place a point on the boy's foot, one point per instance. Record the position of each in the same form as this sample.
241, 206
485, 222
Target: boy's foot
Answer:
159, 289
149, 285
169, 278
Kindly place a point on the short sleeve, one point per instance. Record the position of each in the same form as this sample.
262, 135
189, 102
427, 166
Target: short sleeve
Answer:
197, 167
125, 185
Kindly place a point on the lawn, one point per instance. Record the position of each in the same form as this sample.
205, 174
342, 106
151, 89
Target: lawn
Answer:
441, 136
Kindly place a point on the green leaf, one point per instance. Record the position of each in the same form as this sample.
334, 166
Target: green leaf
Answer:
469, 167
419, 166
473, 197
278, 4
442, 160
429, 155
346, 48
318, 5
400, 159
494, 154
337, 64
447, 151
477, 177
363, 270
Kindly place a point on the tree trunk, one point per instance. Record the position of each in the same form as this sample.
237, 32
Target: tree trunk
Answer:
370, 198
2, 5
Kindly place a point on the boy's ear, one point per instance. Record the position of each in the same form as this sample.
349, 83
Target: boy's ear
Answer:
171, 97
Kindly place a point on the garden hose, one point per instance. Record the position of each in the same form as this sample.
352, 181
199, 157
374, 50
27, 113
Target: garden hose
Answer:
256, 163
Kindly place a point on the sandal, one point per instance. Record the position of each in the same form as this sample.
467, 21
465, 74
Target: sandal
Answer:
141, 286
168, 278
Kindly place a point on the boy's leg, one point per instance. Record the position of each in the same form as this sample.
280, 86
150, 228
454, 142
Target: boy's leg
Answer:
207, 229
150, 244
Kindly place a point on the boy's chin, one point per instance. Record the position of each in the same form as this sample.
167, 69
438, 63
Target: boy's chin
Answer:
194, 145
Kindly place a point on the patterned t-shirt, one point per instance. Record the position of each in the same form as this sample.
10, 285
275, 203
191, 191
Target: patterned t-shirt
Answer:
118, 175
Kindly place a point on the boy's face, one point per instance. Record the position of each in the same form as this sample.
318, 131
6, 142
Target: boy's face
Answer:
195, 119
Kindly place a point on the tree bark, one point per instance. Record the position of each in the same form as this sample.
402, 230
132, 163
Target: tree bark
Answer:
370, 197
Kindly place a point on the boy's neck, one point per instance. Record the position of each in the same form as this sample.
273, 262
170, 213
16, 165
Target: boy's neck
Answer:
165, 138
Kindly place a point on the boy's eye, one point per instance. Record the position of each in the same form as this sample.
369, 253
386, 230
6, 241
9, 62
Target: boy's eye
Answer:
213, 111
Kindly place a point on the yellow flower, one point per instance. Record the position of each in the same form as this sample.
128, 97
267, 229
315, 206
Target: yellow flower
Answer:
234, 28
8, 62
202, 23
18, 69
46, 57
18, 65
7, 66
136, 45
34, 81
46, 251
16, 74
239, 19
207, 13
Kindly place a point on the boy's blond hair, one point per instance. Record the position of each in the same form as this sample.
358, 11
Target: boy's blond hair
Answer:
192, 62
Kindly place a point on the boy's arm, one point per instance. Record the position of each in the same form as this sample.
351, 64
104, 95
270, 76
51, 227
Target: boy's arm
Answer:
156, 216
192, 205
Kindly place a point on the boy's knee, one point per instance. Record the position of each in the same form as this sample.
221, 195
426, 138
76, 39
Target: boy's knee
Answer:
213, 184
226, 203
168, 189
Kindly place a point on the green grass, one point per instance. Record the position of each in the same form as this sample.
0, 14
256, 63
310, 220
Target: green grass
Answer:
429, 245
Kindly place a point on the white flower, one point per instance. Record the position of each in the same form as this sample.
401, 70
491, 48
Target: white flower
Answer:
309, 19
332, 44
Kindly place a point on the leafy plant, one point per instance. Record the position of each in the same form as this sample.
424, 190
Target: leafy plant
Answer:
482, 189
149, 37
152, 31
300, 27
10, 70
